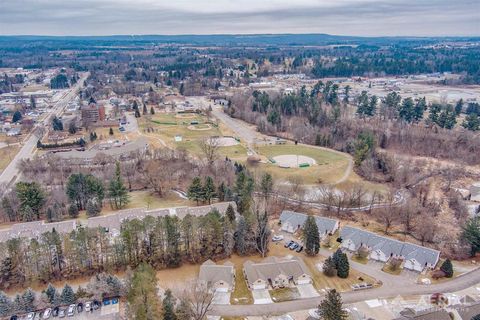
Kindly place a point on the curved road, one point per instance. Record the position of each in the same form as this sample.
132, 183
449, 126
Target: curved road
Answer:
392, 287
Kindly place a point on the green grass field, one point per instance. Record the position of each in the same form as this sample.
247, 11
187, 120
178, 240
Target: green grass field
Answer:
330, 166
167, 126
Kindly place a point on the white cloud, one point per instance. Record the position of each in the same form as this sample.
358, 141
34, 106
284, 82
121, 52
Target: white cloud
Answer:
354, 17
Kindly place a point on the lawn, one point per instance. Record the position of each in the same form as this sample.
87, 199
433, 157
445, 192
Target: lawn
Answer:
284, 294
388, 269
241, 294
149, 200
320, 280
167, 126
359, 259
6, 155
330, 166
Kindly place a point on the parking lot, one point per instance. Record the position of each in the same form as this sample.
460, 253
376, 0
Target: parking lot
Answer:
106, 312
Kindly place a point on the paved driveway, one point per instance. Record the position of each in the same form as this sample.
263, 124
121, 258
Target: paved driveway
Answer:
307, 291
261, 296
221, 298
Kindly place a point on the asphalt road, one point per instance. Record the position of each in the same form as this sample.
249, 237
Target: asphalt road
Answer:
241, 129
391, 288
11, 172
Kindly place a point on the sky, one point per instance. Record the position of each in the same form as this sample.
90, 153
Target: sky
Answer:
339, 17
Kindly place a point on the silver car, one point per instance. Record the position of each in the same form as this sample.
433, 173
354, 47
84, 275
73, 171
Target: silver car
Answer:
47, 313
71, 310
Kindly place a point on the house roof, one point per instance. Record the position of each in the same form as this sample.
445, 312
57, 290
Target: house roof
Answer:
389, 246
298, 219
468, 312
425, 315
273, 267
211, 272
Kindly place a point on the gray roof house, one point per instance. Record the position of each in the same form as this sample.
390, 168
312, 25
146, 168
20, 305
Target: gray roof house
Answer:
381, 248
220, 277
276, 273
292, 221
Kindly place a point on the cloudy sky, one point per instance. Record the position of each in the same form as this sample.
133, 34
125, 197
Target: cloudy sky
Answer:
342, 17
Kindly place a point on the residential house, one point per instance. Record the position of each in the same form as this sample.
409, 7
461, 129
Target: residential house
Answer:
275, 273
220, 278
475, 192
293, 221
381, 248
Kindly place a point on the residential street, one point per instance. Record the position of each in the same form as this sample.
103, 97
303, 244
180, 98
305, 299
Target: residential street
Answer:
392, 287
11, 171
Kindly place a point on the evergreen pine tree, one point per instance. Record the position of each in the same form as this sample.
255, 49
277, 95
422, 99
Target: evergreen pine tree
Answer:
208, 189
311, 237
471, 122
169, 306
73, 210
110, 132
221, 192
144, 109
195, 191
152, 111
343, 267
230, 213
93, 208
5, 304
447, 268
118, 193
27, 213
459, 106
50, 291
67, 296
329, 267
336, 257
331, 308
28, 300
17, 304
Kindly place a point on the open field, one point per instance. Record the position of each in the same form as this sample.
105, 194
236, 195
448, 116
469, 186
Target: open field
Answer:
6, 155
149, 200
330, 166
167, 126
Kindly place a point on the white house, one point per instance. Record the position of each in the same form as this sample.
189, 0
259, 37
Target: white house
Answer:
292, 221
276, 272
220, 278
381, 248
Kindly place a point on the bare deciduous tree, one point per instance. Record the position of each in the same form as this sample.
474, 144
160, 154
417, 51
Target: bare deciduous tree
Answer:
209, 147
198, 296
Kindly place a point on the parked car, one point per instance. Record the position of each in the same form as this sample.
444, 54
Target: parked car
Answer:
55, 312
114, 300
79, 307
14, 317
88, 306
300, 248
71, 310
293, 246
277, 237
106, 302
47, 313
95, 304
30, 316
288, 244
61, 313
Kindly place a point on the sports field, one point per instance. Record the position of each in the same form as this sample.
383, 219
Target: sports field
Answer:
328, 166
186, 131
